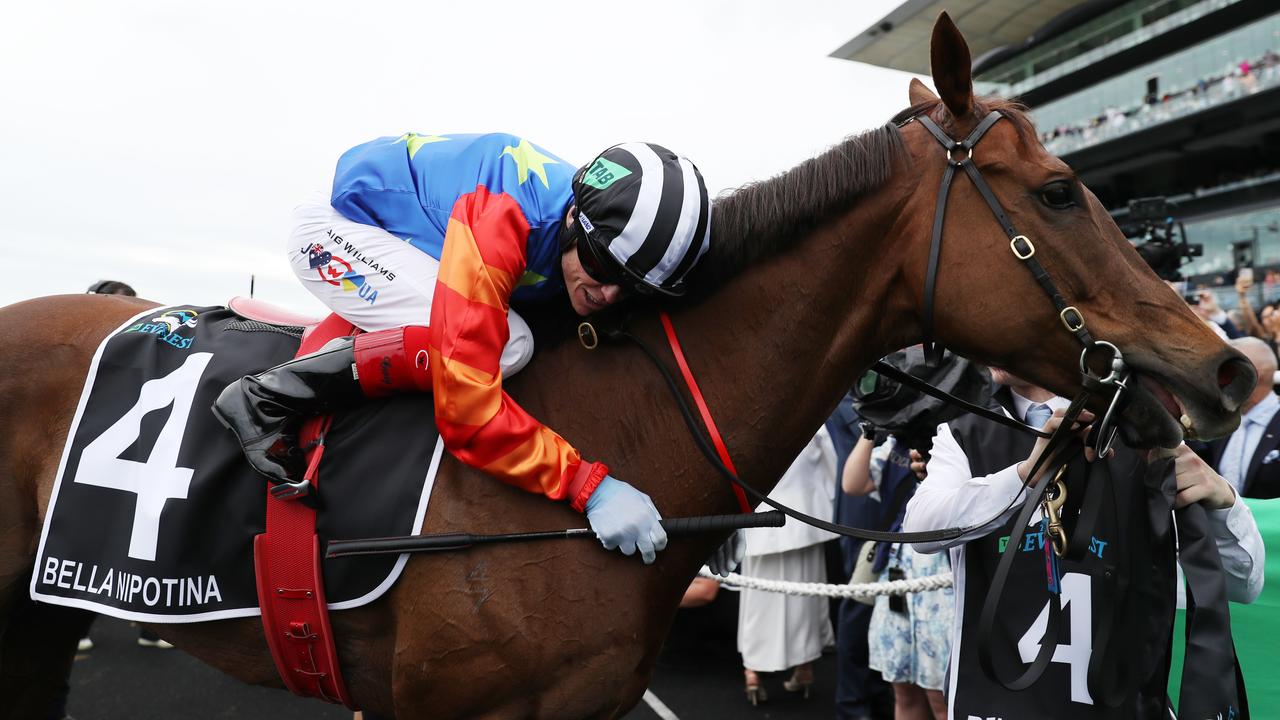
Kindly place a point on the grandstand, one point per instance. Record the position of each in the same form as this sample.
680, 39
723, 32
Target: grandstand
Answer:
1175, 98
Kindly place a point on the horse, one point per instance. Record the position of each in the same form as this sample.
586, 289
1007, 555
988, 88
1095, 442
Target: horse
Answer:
811, 276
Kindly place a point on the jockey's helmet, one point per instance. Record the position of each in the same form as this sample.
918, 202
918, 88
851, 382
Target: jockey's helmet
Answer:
642, 218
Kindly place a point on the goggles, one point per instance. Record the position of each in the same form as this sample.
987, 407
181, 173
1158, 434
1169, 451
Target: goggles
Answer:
600, 265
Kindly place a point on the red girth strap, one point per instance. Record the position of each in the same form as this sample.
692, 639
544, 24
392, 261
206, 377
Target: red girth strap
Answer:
295, 614
696, 392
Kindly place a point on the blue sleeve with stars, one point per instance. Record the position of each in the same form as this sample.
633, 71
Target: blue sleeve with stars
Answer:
408, 185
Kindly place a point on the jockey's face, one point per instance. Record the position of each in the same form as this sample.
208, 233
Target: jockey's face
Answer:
586, 294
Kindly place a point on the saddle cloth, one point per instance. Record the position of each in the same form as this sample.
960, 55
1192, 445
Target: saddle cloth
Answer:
154, 509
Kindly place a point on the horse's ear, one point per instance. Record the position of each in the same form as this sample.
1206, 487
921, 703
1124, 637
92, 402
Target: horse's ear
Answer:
951, 66
919, 93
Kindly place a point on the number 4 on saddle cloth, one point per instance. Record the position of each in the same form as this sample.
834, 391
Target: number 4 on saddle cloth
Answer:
154, 510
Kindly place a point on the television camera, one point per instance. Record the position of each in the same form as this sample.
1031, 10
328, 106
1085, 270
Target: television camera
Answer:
1159, 238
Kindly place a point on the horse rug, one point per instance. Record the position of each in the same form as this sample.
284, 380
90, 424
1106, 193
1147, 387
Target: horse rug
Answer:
154, 508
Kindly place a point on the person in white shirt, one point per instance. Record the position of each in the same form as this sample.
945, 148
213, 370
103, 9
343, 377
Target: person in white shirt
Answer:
955, 495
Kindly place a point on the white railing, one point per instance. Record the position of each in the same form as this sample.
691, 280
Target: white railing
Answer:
864, 590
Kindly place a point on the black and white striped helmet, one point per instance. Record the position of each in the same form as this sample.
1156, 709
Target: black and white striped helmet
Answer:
642, 217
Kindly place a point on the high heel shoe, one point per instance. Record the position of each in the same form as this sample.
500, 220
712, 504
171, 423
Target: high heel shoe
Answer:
755, 691
801, 681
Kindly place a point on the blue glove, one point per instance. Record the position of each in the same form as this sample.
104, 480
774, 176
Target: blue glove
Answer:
728, 556
625, 518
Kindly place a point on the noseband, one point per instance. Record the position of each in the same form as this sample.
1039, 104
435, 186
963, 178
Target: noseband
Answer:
960, 155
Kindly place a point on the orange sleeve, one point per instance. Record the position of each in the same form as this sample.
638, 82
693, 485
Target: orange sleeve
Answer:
483, 258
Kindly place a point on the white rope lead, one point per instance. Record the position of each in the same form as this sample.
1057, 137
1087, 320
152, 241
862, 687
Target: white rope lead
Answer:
864, 590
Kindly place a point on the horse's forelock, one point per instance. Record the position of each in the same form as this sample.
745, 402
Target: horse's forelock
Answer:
1012, 110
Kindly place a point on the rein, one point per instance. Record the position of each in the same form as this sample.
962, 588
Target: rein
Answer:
721, 449
1057, 441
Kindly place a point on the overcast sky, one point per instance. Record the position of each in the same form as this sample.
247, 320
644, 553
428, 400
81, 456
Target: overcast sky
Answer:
164, 143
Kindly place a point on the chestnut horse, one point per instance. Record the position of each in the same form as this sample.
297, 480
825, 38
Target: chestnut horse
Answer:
812, 276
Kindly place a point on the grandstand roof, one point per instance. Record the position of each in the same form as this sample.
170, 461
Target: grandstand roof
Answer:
895, 41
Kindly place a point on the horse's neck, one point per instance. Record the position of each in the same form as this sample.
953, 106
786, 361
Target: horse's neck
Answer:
777, 348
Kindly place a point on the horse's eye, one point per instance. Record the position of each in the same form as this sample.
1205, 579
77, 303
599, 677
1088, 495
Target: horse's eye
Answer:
1057, 195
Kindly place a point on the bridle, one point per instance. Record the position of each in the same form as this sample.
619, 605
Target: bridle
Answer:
1050, 496
960, 157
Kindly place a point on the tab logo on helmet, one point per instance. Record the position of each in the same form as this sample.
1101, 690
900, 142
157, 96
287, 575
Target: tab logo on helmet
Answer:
604, 173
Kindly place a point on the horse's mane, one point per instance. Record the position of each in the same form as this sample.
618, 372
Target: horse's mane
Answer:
761, 218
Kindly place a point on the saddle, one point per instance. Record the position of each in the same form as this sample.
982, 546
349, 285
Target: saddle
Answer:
295, 613
268, 314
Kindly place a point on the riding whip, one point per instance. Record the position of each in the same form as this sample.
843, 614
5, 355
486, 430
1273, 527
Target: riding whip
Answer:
675, 527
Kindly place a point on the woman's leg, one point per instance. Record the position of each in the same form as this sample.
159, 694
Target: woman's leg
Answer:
373, 279
938, 702
910, 703
801, 680
755, 691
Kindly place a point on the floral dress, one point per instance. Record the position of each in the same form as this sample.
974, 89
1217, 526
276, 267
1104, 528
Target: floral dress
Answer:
911, 644
914, 646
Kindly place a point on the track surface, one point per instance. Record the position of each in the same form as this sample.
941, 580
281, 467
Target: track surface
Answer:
699, 676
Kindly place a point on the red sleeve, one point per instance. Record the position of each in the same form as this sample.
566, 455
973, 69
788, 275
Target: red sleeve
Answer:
483, 259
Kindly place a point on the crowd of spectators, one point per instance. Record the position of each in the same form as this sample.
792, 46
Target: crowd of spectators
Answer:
1237, 80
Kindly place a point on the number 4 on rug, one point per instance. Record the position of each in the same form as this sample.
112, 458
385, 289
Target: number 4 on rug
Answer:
1077, 598
159, 478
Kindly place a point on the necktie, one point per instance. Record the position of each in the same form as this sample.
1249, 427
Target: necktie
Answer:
1038, 414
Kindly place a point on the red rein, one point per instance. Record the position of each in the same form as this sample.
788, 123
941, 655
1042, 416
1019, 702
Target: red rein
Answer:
696, 392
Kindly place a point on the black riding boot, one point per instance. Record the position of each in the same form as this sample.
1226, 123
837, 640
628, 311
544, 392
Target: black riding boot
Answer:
266, 410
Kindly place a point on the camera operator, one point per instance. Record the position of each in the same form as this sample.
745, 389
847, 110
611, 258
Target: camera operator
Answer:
909, 634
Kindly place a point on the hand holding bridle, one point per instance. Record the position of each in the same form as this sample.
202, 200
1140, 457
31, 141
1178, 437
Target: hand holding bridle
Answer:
919, 465
1198, 483
1051, 426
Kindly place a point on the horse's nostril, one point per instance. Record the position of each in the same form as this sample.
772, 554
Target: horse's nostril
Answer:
1236, 379
1227, 372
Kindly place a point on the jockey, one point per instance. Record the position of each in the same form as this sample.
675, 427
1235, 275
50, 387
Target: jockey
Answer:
423, 243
